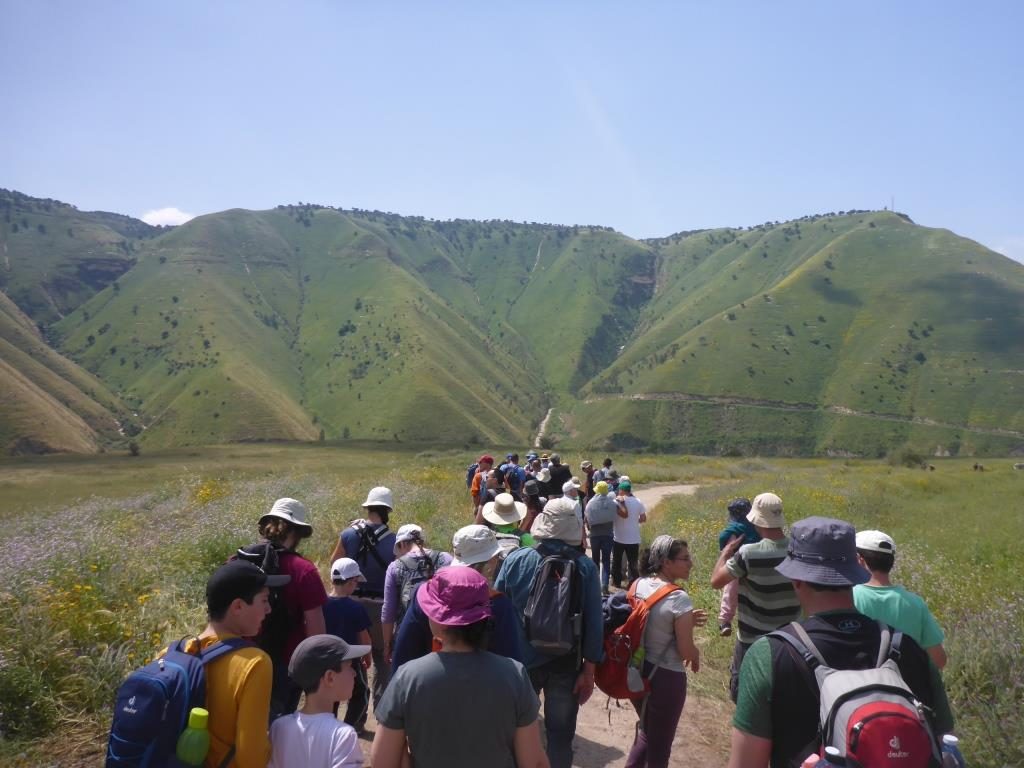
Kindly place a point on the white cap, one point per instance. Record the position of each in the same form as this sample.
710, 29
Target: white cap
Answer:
876, 541
571, 485
408, 532
293, 511
474, 544
380, 497
345, 568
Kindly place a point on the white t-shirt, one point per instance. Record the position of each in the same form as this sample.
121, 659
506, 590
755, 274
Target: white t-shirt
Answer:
626, 530
314, 740
660, 633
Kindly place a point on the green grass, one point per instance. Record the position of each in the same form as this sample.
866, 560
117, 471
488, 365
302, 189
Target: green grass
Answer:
106, 558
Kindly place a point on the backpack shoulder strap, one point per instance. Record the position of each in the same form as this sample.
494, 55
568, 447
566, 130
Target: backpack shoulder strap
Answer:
368, 541
802, 644
222, 648
888, 644
659, 594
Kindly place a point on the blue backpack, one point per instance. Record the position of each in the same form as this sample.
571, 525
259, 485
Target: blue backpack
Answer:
154, 702
470, 471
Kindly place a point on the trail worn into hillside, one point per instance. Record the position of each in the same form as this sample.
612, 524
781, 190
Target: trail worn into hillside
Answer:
778, 405
543, 428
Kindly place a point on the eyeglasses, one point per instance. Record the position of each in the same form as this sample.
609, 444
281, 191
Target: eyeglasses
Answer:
686, 559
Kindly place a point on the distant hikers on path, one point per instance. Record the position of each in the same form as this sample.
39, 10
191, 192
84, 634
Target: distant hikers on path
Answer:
457, 658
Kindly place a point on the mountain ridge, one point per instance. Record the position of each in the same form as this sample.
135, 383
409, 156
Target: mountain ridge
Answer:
309, 322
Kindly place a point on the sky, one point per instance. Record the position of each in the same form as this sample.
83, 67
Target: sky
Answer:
647, 117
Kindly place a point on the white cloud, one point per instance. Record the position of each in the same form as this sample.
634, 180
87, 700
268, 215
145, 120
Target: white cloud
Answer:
166, 216
1013, 247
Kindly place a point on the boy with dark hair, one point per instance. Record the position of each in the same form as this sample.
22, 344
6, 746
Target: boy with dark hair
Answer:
238, 685
346, 618
880, 599
322, 666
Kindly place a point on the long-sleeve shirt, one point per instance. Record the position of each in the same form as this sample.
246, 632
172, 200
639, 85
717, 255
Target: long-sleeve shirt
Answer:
393, 582
516, 578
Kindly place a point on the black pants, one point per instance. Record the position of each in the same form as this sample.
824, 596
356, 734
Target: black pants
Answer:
734, 668
632, 552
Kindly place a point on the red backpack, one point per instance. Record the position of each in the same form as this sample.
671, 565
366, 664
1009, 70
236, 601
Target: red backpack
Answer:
620, 674
870, 715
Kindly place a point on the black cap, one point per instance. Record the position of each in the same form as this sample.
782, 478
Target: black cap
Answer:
238, 578
319, 653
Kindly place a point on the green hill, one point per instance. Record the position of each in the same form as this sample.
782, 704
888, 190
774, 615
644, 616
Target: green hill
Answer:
843, 333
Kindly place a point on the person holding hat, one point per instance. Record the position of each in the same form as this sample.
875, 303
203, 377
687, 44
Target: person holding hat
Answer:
777, 711
238, 685
346, 618
737, 525
414, 563
323, 666
600, 514
476, 547
880, 599
766, 598
567, 680
505, 516
630, 514
371, 544
462, 705
298, 607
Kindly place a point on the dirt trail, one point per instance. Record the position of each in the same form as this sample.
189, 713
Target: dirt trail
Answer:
604, 728
543, 426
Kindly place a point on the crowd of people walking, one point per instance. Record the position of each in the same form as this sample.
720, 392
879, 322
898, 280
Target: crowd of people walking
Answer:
454, 649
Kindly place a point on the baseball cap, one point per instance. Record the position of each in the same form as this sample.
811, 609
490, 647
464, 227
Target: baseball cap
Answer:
408, 532
238, 578
823, 551
319, 653
455, 597
571, 485
486, 459
876, 541
625, 485
345, 568
766, 511
585, 465
473, 544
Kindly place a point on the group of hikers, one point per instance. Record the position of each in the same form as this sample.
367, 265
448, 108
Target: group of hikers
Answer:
462, 645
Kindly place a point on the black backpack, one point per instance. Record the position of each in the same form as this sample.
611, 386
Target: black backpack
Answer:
278, 625
368, 541
554, 610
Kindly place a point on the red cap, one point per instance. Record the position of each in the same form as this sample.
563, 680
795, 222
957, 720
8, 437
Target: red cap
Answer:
486, 459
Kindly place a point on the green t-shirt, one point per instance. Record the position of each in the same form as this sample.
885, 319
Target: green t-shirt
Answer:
901, 609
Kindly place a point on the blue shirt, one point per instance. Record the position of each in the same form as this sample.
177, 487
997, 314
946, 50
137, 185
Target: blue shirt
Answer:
414, 638
372, 570
345, 618
516, 578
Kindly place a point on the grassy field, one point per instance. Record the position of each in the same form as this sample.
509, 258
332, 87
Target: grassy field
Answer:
106, 558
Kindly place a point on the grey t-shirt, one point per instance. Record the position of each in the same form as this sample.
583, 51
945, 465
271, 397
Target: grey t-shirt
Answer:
601, 513
460, 708
660, 637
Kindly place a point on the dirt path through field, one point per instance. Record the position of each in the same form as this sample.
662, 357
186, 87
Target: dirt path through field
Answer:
604, 729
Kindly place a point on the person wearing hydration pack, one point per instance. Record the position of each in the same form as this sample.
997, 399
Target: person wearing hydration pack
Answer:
297, 608
371, 544
777, 718
413, 564
566, 678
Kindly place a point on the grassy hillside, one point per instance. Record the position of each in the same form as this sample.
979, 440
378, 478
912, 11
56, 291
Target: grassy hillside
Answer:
50, 404
55, 256
844, 333
858, 315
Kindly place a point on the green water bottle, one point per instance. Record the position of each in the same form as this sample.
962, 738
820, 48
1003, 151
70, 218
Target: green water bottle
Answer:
194, 742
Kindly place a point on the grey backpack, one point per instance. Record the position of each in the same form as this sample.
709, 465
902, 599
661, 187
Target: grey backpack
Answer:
413, 571
554, 614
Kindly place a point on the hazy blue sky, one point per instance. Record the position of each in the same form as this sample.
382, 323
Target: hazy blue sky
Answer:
647, 117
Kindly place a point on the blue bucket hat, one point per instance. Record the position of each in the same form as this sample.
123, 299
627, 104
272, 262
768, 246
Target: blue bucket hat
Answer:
823, 551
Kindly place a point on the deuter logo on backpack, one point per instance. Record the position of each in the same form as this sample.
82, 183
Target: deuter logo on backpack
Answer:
869, 715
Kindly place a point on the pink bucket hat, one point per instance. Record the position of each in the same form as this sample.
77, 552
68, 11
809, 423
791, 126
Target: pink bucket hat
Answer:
456, 597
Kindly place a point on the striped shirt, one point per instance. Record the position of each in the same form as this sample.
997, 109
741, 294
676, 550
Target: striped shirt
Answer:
767, 600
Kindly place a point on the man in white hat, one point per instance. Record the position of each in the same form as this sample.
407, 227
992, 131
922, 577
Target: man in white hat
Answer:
880, 599
766, 597
567, 680
371, 544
